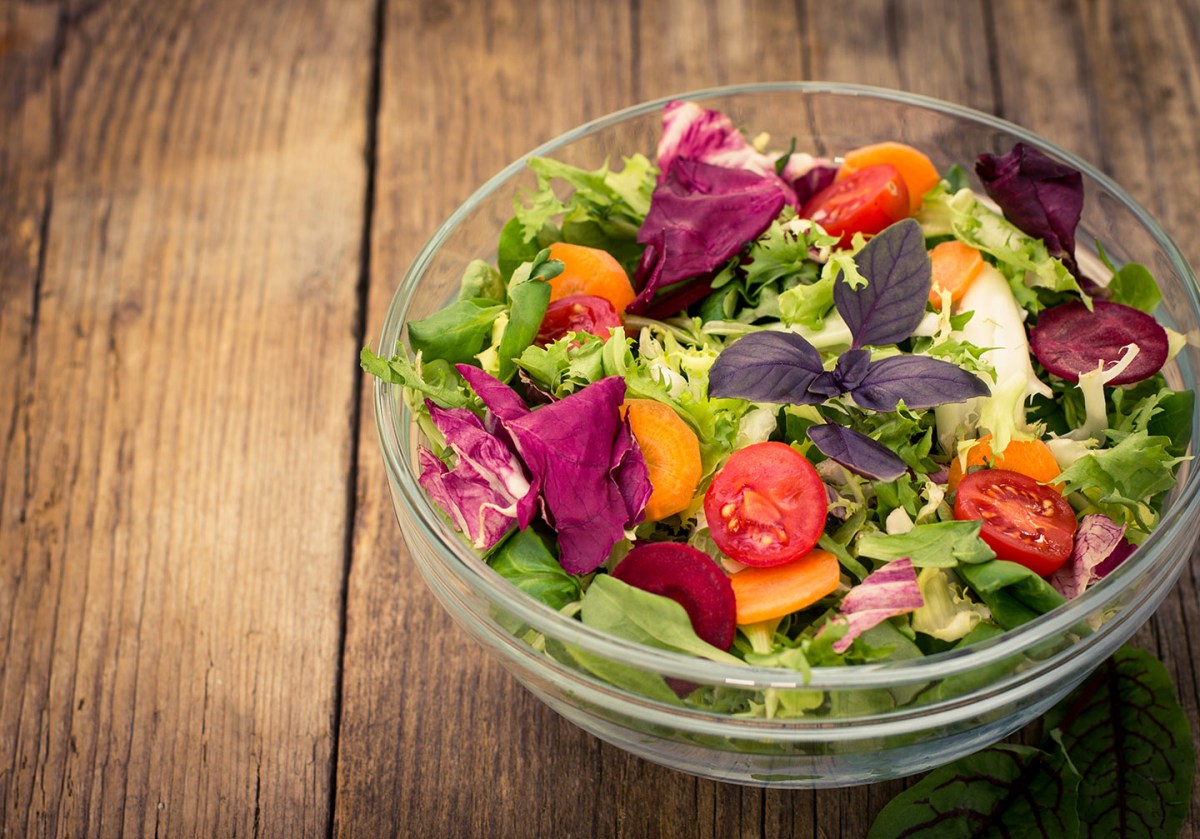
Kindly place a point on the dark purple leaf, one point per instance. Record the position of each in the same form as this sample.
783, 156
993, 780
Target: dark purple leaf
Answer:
592, 474
815, 179
888, 308
921, 382
1038, 194
857, 452
774, 367
1069, 340
851, 368
700, 216
581, 455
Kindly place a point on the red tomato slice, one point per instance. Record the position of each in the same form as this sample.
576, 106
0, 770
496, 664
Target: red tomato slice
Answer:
766, 506
864, 202
1023, 521
577, 313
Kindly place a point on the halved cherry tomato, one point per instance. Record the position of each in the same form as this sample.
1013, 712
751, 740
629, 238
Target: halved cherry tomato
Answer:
864, 202
577, 313
766, 506
1023, 521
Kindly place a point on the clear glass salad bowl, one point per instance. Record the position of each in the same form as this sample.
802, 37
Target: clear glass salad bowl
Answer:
865, 722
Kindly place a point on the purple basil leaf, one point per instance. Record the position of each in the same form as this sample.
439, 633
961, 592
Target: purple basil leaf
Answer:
1038, 194
922, 382
774, 367
851, 369
857, 452
886, 592
888, 308
700, 216
1100, 546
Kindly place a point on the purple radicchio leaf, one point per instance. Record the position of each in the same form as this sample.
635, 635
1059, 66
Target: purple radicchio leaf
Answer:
695, 133
1038, 194
920, 381
886, 592
487, 491
816, 176
592, 477
776, 367
1100, 546
889, 306
857, 452
700, 217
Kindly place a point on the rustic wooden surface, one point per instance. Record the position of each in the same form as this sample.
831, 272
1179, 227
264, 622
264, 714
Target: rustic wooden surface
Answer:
208, 622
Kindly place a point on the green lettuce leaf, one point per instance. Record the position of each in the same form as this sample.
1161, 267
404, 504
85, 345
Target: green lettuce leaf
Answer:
457, 332
1122, 481
939, 545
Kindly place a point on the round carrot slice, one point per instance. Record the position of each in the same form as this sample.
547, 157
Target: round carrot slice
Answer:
917, 170
1031, 458
672, 453
590, 271
955, 266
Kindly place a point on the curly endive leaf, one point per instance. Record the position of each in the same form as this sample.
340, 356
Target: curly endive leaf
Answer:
1128, 736
1007, 790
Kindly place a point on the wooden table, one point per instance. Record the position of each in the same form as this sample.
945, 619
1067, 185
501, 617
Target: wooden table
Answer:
209, 625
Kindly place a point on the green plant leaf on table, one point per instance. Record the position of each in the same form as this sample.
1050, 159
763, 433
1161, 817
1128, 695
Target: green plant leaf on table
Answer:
1116, 760
1129, 737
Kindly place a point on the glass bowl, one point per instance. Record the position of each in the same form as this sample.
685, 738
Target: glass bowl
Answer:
864, 723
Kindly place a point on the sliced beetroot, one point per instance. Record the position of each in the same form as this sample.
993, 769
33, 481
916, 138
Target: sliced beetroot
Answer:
1069, 340
690, 578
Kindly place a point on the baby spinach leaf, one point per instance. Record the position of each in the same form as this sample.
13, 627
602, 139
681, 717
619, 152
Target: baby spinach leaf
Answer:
1127, 734
620, 609
1009, 588
889, 306
525, 561
1135, 286
938, 545
481, 280
1007, 790
455, 333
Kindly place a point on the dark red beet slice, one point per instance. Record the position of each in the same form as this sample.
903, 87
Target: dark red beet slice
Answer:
690, 578
1070, 341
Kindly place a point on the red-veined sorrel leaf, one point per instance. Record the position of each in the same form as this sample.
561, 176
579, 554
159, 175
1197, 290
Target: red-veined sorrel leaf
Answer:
1007, 790
1129, 738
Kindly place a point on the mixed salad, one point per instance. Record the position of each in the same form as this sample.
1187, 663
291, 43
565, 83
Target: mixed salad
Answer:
795, 411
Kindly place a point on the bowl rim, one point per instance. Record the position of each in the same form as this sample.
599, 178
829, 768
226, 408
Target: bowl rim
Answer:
479, 577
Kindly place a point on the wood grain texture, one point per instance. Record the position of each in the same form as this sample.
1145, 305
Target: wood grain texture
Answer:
175, 570
187, 453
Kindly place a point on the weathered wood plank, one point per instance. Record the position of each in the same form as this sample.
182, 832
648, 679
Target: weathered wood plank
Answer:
172, 660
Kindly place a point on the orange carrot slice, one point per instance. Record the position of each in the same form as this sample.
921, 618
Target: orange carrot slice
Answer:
915, 168
955, 267
778, 590
590, 271
1031, 458
672, 453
